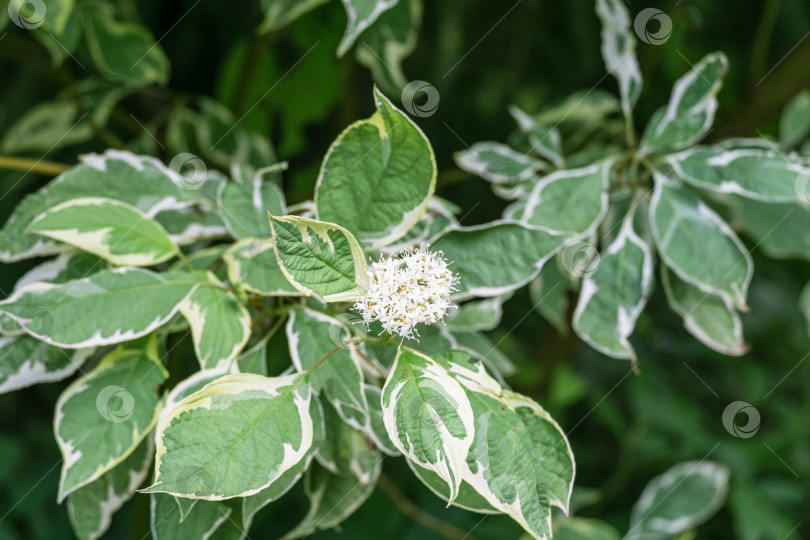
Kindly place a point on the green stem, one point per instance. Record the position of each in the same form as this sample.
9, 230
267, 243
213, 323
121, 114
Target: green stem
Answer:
31, 165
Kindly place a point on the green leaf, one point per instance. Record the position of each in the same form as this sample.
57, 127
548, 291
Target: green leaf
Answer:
804, 304
782, 231
280, 13
167, 522
619, 51
390, 40
428, 416
682, 498
377, 177
103, 416
688, 234
185, 227
545, 139
480, 347
123, 52
234, 437
476, 315
252, 265
61, 269
140, 181
690, 112
361, 15
520, 460
220, 324
113, 230
346, 449
311, 336
497, 257
711, 319
332, 499
498, 163
244, 207
763, 175
127, 303
319, 258
51, 14
254, 360
549, 296
614, 292
90, 508
794, 124
570, 201
25, 361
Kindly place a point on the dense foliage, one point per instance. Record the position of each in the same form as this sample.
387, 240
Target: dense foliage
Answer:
252, 329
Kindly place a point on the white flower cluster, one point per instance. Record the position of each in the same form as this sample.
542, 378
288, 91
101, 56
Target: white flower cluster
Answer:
413, 287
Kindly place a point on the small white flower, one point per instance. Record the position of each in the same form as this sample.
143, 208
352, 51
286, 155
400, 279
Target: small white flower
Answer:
413, 287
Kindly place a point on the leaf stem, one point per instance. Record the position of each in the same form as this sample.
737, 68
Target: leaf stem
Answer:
429, 521
30, 165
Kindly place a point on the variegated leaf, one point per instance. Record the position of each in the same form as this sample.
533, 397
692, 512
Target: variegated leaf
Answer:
619, 51
25, 361
319, 258
428, 416
614, 293
234, 437
688, 234
377, 177
252, 265
103, 416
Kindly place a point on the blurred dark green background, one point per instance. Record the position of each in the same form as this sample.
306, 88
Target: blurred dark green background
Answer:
624, 429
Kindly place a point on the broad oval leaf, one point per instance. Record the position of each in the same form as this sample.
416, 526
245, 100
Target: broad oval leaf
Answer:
319, 258
220, 324
682, 498
782, 231
763, 175
234, 437
201, 521
688, 234
113, 230
129, 303
377, 177
346, 449
614, 294
312, 335
103, 416
144, 182
497, 257
711, 319
91, 507
428, 416
570, 201
690, 112
361, 14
